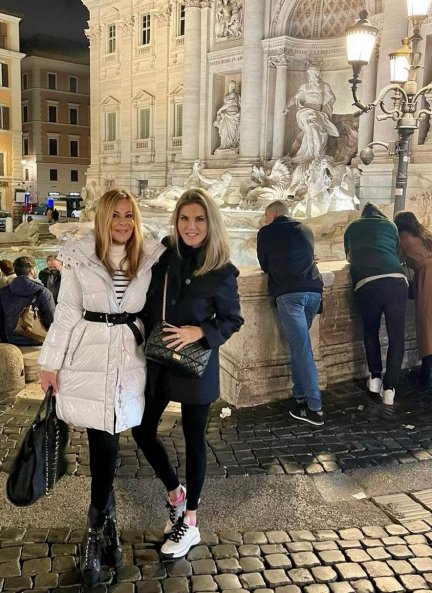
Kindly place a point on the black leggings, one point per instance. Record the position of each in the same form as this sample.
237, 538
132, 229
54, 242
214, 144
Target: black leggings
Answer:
103, 448
388, 296
194, 421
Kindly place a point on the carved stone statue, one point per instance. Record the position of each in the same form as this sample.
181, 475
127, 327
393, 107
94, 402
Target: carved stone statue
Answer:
229, 19
267, 186
228, 120
314, 101
90, 195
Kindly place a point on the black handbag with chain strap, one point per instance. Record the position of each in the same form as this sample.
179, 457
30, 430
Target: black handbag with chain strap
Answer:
191, 360
41, 458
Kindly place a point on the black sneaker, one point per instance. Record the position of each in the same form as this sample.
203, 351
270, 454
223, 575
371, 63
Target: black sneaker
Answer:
297, 405
303, 413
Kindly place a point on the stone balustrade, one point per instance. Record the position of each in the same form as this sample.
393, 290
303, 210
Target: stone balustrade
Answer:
255, 362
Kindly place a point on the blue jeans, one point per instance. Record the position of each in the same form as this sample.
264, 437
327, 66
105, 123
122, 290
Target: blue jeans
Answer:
296, 312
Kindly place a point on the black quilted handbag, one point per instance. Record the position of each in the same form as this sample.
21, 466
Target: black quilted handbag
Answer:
190, 360
41, 458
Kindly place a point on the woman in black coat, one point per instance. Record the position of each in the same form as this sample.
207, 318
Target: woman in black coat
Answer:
201, 304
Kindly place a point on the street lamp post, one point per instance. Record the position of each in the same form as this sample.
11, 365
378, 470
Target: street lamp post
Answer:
404, 66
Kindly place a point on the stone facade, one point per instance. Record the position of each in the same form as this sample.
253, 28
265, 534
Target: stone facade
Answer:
56, 123
10, 112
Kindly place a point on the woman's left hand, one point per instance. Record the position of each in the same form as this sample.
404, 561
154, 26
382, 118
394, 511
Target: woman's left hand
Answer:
178, 337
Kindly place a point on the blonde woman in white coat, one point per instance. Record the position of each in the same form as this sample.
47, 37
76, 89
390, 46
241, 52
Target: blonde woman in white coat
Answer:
93, 356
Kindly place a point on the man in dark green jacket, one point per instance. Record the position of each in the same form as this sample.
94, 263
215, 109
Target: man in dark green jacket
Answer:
371, 246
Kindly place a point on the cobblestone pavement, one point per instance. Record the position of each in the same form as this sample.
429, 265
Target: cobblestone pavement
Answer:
359, 432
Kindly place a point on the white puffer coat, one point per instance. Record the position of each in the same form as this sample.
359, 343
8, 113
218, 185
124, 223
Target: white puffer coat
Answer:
102, 370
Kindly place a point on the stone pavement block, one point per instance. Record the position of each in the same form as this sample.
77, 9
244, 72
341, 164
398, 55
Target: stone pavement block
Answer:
145, 556
58, 535
37, 566
388, 585
300, 576
179, 568
255, 537
415, 539
411, 582
252, 580
278, 561
378, 553
198, 553
229, 565
268, 549
17, 583
10, 554
287, 589
326, 535
224, 551
331, 557
374, 531
305, 559
401, 507
324, 546
34, 551
363, 586
69, 579
401, 566
324, 574
155, 570
199, 583
422, 564
228, 581
354, 555
399, 552
149, 587
302, 535
393, 540
63, 564
276, 577
36, 535
377, 569
209, 538
46, 581
341, 587
132, 536
421, 550
230, 537
128, 574
249, 550
351, 534
12, 534
120, 588
181, 585
424, 497
350, 571
416, 526
61, 550
396, 529
372, 542
299, 547
251, 564
345, 544
206, 566
277, 537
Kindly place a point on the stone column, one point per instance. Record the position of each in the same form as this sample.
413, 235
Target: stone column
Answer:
94, 34
163, 17
192, 78
252, 77
369, 84
281, 64
126, 27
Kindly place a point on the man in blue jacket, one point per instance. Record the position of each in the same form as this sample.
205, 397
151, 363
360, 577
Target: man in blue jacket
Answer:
285, 249
18, 295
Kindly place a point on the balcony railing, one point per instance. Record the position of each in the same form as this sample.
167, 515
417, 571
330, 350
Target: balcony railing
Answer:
176, 142
144, 145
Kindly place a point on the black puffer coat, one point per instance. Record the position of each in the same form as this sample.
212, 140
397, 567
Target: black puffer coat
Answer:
210, 301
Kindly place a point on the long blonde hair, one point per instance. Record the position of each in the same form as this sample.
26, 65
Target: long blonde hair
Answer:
103, 220
216, 244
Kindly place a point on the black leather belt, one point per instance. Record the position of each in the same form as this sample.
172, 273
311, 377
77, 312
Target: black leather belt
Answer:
116, 319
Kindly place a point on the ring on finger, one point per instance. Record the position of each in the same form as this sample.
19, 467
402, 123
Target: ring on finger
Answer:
178, 336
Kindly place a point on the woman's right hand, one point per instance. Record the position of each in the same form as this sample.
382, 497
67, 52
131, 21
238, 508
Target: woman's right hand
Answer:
49, 378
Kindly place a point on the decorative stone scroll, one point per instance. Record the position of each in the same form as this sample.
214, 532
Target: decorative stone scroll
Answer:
229, 19
280, 60
94, 34
163, 15
127, 26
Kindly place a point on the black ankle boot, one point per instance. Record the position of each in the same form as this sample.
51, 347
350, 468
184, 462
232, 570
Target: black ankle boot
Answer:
425, 376
91, 551
112, 551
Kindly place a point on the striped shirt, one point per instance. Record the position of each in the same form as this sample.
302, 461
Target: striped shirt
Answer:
121, 282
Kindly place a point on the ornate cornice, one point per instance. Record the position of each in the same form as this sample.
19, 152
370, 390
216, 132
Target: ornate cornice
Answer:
192, 3
163, 15
280, 60
206, 3
93, 34
127, 26
335, 47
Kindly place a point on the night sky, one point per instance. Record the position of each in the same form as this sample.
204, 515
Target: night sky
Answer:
65, 19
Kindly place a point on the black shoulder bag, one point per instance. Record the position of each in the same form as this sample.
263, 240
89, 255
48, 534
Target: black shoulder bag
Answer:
190, 360
41, 458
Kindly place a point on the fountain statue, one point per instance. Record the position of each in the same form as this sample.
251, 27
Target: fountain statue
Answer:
228, 120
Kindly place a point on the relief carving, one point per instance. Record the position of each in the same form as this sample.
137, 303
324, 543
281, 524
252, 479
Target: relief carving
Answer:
229, 19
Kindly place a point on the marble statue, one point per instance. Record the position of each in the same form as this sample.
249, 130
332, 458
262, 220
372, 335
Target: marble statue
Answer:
267, 185
216, 187
90, 195
228, 120
314, 101
229, 19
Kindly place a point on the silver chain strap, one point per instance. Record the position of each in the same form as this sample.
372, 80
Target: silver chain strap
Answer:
50, 476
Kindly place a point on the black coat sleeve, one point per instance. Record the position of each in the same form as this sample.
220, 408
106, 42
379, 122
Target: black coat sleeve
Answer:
261, 251
228, 318
46, 305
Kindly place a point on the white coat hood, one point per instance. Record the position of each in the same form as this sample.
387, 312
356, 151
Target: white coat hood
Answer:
102, 370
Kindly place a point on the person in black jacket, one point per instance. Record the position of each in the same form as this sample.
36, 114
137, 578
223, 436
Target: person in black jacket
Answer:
51, 276
202, 303
285, 249
18, 295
